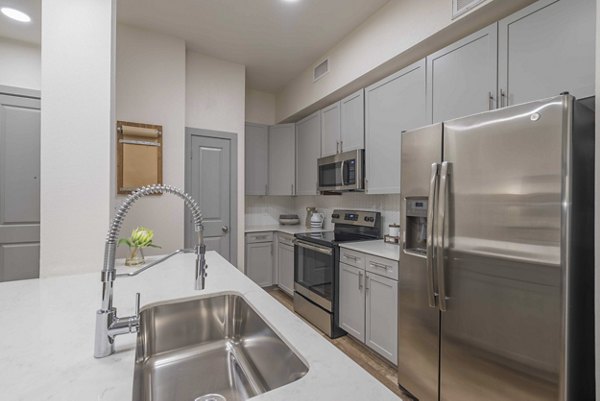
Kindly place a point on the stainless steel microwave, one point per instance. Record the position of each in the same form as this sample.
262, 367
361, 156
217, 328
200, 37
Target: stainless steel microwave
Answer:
342, 172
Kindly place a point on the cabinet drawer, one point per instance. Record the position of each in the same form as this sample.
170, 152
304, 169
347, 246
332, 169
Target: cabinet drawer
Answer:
382, 266
259, 237
352, 258
286, 239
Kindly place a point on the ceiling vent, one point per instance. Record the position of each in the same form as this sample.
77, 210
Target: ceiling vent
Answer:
460, 7
320, 70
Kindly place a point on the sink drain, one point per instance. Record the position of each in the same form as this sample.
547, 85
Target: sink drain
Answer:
211, 397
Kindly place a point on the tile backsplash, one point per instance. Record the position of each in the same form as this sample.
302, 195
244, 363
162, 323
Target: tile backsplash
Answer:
265, 210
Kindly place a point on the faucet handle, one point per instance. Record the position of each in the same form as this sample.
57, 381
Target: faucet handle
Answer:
136, 313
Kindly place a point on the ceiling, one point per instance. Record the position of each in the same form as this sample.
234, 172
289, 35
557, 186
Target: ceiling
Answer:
275, 39
27, 32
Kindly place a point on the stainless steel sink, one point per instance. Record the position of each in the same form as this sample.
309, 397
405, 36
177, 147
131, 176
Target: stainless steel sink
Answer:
209, 349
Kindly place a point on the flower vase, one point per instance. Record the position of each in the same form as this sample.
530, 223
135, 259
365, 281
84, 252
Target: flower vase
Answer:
135, 258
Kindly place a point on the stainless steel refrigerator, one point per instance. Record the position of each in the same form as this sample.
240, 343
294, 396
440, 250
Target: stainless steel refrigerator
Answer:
496, 270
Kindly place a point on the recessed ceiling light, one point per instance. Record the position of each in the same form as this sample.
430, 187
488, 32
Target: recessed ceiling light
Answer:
15, 14
290, 1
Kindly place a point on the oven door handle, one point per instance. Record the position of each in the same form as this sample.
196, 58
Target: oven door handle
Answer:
316, 248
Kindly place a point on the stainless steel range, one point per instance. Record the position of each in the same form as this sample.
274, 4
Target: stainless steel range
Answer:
316, 260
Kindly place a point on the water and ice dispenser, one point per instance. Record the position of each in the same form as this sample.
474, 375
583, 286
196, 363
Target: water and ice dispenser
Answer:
416, 225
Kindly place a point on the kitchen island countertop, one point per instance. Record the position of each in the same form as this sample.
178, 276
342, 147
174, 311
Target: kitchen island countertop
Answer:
47, 339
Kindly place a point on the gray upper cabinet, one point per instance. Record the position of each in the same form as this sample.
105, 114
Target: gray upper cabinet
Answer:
353, 122
282, 159
547, 48
257, 159
330, 129
308, 151
463, 76
392, 105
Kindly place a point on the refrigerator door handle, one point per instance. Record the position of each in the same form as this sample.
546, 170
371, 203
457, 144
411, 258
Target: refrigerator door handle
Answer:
440, 226
433, 183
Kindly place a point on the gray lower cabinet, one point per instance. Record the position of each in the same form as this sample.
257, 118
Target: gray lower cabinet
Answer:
382, 316
19, 187
352, 301
392, 105
547, 48
462, 77
259, 258
308, 151
368, 308
257, 159
282, 159
352, 122
330, 129
285, 265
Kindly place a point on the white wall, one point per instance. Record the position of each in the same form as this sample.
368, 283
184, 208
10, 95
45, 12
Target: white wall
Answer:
215, 100
77, 121
391, 38
260, 107
150, 88
20, 64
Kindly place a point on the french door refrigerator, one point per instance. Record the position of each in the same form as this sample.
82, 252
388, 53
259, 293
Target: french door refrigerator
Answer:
496, 271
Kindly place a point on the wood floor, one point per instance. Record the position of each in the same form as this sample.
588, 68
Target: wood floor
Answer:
379, 368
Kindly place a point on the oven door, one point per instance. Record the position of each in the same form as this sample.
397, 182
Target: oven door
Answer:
342, 172
313, 273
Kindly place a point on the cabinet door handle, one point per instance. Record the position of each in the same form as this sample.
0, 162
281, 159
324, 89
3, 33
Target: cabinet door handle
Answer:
341, 146
368, 279
354, 258
360, 279
337, 146
491, 100
503, 98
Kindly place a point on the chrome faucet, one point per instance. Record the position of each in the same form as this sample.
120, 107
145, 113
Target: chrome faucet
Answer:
108, 325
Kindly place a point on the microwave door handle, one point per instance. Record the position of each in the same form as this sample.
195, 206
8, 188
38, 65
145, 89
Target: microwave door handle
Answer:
433, 184
342, 172
440, 228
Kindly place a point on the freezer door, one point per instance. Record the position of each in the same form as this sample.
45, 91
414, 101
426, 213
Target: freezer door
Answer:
501, 271
418, 316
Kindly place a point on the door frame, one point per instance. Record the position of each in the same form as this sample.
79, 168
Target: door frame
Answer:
233, 183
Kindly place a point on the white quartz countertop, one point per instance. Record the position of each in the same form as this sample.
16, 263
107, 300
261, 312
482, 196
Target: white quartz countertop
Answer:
301, 228
377, 248
47, 337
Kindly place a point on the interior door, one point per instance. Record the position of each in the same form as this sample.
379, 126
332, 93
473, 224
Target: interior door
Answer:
502, 275
211, 187
19, 187
463, 76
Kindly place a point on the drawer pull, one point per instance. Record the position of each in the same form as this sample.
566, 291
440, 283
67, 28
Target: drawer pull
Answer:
380, 265
354, 258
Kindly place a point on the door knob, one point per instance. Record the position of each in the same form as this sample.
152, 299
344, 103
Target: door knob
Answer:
225, 229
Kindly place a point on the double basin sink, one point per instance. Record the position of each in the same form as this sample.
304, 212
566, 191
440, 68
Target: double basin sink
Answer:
209, 349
